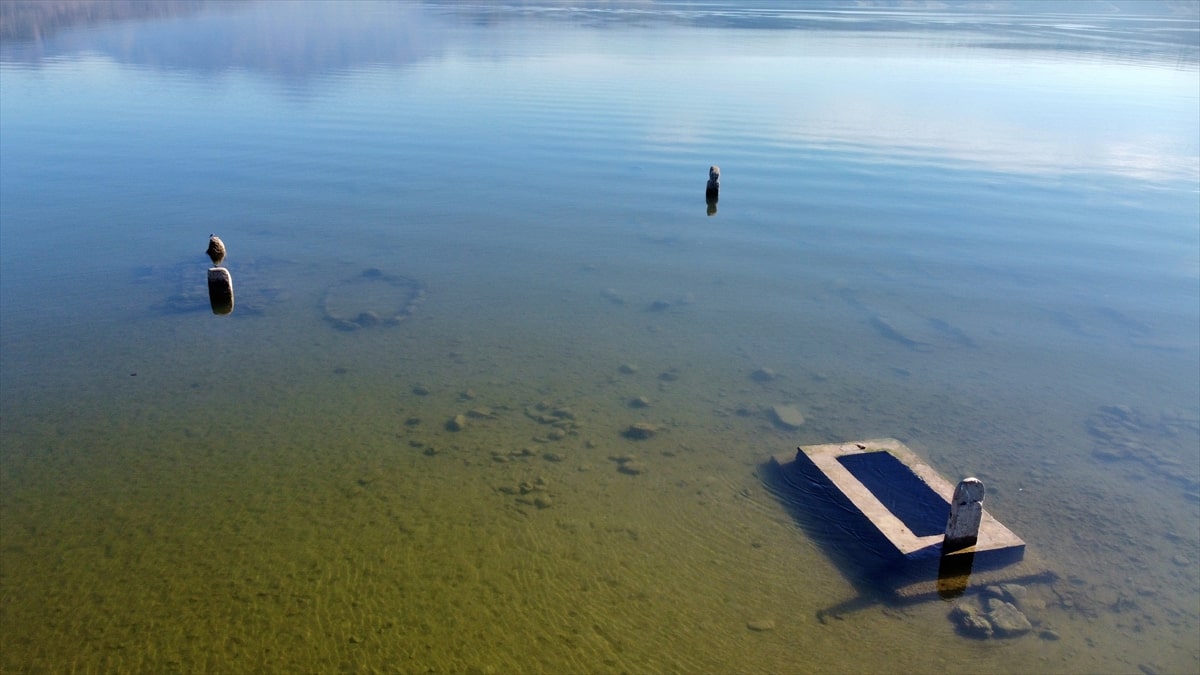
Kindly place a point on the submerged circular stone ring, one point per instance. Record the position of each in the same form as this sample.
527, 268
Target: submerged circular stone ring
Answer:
371, 299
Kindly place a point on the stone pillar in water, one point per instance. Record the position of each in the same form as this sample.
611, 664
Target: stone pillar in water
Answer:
220, 282
713, 189
220, 290
966, 511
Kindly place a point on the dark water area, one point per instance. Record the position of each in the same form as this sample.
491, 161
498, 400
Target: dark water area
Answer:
921, 509
470, 248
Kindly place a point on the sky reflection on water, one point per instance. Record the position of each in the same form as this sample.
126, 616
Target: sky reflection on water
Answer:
958, 98
978, 232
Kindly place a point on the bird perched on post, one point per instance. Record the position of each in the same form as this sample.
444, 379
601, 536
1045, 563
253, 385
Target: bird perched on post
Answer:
216, 249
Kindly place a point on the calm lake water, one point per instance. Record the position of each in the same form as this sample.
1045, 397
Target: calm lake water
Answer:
978, 233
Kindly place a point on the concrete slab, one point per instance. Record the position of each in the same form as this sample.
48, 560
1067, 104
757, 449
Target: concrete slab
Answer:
919, 495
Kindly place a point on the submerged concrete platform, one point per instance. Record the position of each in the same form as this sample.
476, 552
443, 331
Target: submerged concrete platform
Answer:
919, 497
881, 514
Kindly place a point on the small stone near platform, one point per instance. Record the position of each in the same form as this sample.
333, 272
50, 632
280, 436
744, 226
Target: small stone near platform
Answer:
1006, 619
993, 618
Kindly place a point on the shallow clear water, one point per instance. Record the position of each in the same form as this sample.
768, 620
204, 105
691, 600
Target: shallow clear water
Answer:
977, 233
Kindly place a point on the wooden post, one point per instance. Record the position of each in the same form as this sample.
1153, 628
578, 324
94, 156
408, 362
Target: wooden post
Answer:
966, 511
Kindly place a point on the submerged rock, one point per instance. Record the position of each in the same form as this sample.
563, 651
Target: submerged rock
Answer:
763, 375
612, 296
658, 306
632, 468
629, 465
1007, 621
787, 416
640, 431
760, 625
457, 423
989, 618
968, 616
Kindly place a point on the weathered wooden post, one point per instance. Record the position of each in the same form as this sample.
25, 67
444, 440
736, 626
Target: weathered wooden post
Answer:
966, 511
220, 290
713, 189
